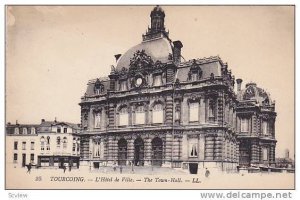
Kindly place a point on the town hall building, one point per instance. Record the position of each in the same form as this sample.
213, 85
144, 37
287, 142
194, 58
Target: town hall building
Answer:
155, 108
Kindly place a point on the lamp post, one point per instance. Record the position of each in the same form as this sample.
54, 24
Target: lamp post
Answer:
90, 161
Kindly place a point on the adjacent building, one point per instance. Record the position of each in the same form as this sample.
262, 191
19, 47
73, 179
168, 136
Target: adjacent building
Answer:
48, 144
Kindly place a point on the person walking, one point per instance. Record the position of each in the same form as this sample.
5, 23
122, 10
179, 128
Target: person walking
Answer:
29, 168
207, 173
64, 168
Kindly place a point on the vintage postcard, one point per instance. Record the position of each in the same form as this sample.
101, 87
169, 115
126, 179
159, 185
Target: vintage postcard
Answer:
150, 97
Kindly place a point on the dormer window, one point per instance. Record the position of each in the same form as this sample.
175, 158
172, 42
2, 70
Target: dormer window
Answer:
123, 85
16, 130
157, 81
195, 72
98, 89
32, 130
25, 131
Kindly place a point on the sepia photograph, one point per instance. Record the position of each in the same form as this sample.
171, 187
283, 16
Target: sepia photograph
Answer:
150, 97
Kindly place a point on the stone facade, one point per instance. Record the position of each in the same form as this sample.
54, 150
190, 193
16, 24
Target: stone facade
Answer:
155, 109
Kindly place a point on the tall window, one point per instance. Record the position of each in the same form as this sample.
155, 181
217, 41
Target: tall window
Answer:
32, 145
265, 154
65, 142
157, 80
23, 145
25, 131
48, 143
194, 112
58, 141
32, 157
15, 157
265, 127
16, 130
123, 85
42, 143
78, 144
123, 117
65, 130
194, 77
97, 149
211, 110
158, 113
244, 125
98, 120
59, 129
74, 145
16, 145
193, 148
140, 115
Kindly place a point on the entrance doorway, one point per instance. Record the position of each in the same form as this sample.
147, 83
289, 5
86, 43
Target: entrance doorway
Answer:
157, 154
122, 152
139, 152
23, 160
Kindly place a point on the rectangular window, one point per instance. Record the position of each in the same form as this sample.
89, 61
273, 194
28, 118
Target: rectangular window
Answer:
98, 120
32, 157
65, 130
123, 119
15, 157
244, 125
15, 145
265, 128
157, 116
194, 112
58, 129
23, 145
32, 145
265, 154
74, 147
140, 118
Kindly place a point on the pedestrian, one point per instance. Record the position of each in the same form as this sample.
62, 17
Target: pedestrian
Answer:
115, 166
70, 167
207, 173
64, 168
29, 168
121, 169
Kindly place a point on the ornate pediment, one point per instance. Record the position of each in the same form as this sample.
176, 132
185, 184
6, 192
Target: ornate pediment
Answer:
140, 60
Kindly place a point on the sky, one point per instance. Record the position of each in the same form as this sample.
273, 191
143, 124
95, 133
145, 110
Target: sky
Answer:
52, 52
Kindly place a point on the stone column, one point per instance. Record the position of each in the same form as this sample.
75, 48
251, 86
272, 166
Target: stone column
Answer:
111, 115
209, 147
148, 151
254, 153
130, 149
218, 147
272, 154
168, 150
220, 110
169, 110
110, 146
254, 125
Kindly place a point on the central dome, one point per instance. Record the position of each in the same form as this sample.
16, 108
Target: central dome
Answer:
158, 49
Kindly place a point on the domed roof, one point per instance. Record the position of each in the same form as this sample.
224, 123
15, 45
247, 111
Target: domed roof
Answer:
158, 49
252, 92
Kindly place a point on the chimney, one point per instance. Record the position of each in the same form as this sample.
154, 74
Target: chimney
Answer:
43, 120
117, 56
55, 120
239, 84
177, 51
17, 123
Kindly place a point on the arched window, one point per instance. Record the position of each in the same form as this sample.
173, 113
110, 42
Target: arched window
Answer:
65, 142
244, 125
25, 131
157, 113
265, 154
16, 130
194, 111
193, 147
123, 85
123, 116
140, 115
98, 120
32, 130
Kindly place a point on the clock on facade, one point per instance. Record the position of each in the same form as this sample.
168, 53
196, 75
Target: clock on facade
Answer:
138, 82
